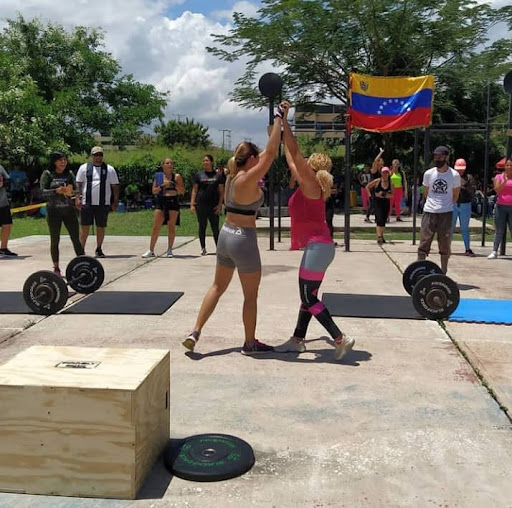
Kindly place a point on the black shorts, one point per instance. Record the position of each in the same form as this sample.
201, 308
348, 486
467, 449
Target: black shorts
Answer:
5, 216
167, 204
94, 213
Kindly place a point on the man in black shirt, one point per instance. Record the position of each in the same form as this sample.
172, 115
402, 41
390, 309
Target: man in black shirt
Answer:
206, 200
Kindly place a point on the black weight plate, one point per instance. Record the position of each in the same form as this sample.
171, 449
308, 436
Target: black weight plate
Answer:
270, 85
436, 296
209, 458
416, 271
45, 292
85, 274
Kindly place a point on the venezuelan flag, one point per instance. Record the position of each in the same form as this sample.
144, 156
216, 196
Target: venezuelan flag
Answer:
387, 104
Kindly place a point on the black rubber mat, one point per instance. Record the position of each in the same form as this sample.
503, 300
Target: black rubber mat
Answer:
11, 302
125, 302
370, 306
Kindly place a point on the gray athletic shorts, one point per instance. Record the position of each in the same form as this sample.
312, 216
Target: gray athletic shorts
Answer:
238, 248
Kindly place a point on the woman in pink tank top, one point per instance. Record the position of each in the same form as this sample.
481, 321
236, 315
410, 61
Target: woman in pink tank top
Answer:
503, 209
309, 231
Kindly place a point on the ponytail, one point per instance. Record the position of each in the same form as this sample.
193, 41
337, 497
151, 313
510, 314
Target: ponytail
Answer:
232, 171
322, 165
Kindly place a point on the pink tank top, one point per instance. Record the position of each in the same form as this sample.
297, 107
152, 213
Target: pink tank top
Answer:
505, 195
308, 221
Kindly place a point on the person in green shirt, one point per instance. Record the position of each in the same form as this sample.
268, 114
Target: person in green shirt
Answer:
58, 186
399, 184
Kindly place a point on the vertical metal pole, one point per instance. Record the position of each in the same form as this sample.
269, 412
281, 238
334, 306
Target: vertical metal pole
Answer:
503, 243
346, 233
486, 161
271, 180
279, 183
414, 200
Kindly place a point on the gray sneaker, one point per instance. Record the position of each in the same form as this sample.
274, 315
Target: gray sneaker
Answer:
343, 347
292, 345
169, 253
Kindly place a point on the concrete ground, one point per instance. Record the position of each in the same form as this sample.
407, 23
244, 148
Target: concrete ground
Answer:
415, 415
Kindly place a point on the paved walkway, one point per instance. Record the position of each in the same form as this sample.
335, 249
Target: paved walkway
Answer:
414, 415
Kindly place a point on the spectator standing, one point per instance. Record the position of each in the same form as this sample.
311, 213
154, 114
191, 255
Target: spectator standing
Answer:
399, 185
5, 214
503, 208
19, 183
58, 185
364, 178
98, 187
377, 165
167, 185
382, 191
462, 209
206, 200
441, 190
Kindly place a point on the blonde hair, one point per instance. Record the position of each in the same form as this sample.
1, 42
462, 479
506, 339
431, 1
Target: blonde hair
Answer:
322, 165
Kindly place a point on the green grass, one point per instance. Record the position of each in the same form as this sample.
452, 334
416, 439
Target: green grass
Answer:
140, 223
119, 224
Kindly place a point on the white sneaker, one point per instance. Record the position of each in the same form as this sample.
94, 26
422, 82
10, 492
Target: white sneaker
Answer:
493, 255
343, 347
292, 345
191, 341
148, 254
169, 253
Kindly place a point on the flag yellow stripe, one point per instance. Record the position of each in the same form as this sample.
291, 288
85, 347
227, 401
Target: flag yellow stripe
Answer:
377, 86
28, 207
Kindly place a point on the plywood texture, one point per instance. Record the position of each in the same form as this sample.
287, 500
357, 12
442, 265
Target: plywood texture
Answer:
82, 432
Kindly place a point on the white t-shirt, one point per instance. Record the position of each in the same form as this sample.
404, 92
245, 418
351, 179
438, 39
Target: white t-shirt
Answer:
81, 177
440, 190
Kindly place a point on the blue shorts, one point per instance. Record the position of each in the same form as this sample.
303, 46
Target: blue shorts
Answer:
238, 248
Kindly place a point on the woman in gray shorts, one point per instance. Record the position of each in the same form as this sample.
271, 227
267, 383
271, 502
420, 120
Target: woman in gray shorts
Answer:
237, 246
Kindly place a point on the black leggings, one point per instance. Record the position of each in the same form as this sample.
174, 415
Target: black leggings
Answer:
206, 214
55, 218
381, 211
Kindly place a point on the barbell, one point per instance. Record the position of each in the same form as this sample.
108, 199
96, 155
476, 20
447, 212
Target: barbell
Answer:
434, 294
46, 293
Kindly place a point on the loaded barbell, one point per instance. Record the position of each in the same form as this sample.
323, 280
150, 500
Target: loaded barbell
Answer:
46, 292
434, 294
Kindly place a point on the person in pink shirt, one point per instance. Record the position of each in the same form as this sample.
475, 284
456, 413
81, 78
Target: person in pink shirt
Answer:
309, 231
503, 210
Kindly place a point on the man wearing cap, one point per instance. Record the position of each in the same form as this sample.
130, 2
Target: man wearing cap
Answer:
462, 209
441, 190
98, 187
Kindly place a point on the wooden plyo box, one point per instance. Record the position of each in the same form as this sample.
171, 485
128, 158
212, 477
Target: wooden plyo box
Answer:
82, 421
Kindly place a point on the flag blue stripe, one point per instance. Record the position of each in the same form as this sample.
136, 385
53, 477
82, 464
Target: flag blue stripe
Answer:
391, 105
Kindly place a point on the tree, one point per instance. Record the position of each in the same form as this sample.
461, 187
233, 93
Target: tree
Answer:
58, 88
315, 44
188, 133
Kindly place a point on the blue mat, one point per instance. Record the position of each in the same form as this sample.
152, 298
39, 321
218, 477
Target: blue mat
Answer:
473, 310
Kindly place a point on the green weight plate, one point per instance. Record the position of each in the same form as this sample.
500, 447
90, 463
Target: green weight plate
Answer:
209, 458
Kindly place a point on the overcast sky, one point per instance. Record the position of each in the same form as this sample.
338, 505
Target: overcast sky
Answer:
163, 42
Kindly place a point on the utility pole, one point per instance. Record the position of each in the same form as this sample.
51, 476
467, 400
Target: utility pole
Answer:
226, 139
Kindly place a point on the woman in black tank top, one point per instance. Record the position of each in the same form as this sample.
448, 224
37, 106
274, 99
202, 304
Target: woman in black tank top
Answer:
167, 185
383, 192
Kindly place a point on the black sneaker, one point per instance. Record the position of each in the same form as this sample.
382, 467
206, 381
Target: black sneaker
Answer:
99, 253
255, 348
7, 252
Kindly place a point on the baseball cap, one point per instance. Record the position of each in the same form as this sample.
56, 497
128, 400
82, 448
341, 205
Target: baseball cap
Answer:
96, 149
441, 150
385, 169
460, 164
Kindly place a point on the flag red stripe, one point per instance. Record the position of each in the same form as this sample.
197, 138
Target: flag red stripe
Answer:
420, 117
